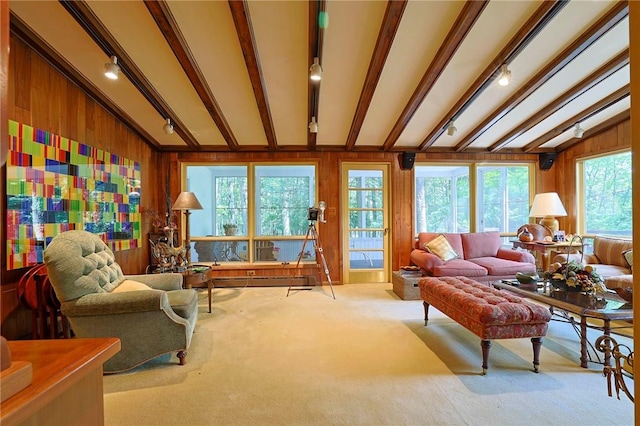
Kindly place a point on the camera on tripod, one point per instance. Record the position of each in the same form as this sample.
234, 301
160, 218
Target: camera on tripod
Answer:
314, 212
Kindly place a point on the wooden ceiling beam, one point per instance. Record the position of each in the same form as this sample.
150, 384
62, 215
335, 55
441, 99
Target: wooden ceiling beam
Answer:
587, 83
84, 16
592, 110
536, 23
468, 15
597, 30
244, 29
607, 124
388, 29
316, 44
161, 14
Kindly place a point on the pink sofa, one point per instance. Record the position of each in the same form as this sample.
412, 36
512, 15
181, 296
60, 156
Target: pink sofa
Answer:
480, 257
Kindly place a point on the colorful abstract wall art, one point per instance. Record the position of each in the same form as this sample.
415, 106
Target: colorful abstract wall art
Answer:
55, 184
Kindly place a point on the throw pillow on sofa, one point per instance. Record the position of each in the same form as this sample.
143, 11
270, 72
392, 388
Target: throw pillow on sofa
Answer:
441, 248
628, 257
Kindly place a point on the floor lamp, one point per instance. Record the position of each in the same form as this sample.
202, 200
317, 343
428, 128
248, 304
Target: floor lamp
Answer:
187, 201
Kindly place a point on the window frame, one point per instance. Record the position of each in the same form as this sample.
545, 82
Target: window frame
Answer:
253, 202
474, 196
580, 191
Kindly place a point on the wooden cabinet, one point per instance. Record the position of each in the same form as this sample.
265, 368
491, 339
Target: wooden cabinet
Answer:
66, 387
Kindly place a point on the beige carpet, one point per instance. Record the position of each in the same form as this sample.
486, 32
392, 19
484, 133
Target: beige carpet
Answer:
261, 358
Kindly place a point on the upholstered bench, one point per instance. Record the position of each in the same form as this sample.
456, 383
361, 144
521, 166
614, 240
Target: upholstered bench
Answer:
486, 311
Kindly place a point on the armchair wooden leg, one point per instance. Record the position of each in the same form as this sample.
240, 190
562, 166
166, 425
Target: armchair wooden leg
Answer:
181, 356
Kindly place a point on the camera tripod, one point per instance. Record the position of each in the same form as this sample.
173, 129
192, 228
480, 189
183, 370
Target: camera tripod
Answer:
312, 234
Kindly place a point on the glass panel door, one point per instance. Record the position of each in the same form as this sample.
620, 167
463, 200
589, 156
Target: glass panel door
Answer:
366, 217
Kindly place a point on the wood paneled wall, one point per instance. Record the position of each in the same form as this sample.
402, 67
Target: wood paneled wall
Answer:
38, 95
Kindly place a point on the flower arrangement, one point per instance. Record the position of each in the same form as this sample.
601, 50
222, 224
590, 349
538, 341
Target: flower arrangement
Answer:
574, 276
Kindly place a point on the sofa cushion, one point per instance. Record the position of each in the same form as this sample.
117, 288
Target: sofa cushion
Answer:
441, 248
480, 244
496, 266
130, 285
619, 281
628, 257
609, 250
459, 267
610, 270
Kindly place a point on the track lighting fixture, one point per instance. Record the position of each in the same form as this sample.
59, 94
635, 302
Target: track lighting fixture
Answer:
111, 69
313, 126
578, 131
505, 76
315, 70
451, 129
168, 127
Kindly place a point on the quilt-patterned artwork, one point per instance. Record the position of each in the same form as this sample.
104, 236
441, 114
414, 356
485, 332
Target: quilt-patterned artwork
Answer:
55, 184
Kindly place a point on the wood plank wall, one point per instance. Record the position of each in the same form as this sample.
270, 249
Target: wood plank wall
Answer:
38, 95
41, 97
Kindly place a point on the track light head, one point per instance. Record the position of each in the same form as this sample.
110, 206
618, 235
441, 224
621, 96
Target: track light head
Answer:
578, 131
111, 69
451, 129
168, 127
313, 126
505, 76
315, 72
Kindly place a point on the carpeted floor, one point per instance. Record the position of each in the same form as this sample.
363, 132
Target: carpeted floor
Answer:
261, 358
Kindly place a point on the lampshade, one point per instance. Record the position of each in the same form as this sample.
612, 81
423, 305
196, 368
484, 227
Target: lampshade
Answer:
187, 201
547, 204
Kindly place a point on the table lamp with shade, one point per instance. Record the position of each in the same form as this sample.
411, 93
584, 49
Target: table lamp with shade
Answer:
547, 205
187, 201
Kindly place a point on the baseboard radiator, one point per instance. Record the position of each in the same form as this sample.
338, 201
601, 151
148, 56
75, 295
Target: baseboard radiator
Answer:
264, 281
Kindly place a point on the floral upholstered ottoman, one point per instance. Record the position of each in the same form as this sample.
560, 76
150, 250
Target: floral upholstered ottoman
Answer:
487, 312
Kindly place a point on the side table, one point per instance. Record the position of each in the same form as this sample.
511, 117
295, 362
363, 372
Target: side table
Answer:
192, 278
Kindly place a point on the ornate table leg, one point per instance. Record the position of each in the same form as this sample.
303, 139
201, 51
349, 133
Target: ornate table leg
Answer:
607, 354
584, 355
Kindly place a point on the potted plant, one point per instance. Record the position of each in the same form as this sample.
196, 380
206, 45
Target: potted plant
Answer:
230, 228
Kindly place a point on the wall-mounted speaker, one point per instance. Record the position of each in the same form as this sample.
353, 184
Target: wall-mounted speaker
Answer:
406, 160
547, 159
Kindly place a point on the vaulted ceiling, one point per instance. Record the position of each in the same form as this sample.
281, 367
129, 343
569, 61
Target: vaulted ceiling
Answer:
234, 76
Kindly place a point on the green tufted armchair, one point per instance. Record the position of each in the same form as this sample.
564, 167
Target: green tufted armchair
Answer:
151, 314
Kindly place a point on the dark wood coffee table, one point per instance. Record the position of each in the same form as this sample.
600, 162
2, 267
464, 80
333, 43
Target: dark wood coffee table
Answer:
610, 307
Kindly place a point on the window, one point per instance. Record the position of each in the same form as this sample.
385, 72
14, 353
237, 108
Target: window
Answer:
605, 195
251, 213
503, 197
444, 202
442, 198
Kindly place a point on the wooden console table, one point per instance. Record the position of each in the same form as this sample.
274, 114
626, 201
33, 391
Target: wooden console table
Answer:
66, 388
